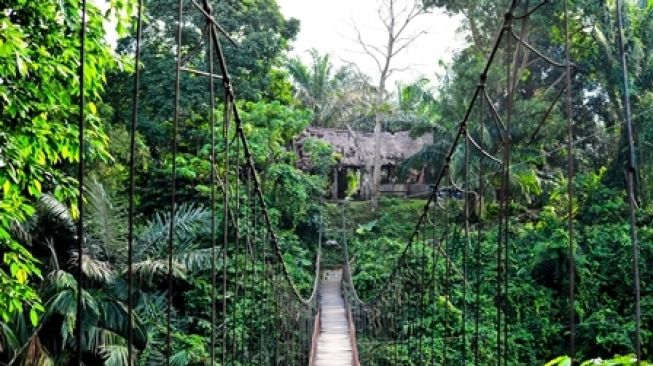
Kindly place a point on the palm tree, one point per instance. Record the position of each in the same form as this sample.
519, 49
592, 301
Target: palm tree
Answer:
419, 106
105, 318
334, 95
51, 233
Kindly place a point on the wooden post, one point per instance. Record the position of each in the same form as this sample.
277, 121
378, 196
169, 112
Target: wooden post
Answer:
334, 186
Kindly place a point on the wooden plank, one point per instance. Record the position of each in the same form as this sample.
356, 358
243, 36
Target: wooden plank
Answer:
334, 342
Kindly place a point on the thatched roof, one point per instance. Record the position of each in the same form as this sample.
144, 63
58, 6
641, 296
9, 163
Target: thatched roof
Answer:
357, 148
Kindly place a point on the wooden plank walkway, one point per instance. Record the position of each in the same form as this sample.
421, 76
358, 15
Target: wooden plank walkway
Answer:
334, 344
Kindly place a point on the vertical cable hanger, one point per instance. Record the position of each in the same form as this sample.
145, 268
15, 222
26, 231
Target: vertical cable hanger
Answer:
504, 224
397, 327
260, 253
422, 281
412, 299
432, 288
466, 243
248, 257
132, 185
80, 180
479, 228
506, 187
232, 338
447, 289
228, 100
225, 227
214, 30
570, 188
212, 125
173, 191
630, 181
499, 254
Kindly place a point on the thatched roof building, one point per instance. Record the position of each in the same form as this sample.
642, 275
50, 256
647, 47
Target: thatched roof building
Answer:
357, 148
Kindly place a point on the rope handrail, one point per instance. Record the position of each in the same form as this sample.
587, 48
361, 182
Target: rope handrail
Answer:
268, 222
462, 126
230, 97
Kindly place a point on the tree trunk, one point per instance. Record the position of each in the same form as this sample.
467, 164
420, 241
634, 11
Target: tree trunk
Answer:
376, 171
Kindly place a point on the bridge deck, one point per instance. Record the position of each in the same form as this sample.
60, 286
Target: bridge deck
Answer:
334, 344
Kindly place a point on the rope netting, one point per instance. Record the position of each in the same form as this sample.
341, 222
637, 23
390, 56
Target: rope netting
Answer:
259, 314
429, 308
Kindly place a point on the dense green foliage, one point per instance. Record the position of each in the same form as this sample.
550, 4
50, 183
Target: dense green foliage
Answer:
40, 52
537, 308
538, 305
278, 99
39, 88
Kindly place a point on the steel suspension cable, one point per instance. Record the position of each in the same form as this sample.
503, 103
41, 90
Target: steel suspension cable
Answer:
466, 244
532, 11
248, 291
539, 53
479, 228
434, 263
225, 223
506, 185
421, 296
249, 161
570, 188
503, 253
213, 224
236, 253
132, 184
80, 181
447, 291
631, 176
439, 177
173, 190
228, 102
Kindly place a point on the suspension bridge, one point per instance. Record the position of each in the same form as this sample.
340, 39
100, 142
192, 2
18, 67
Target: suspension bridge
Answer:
330, 323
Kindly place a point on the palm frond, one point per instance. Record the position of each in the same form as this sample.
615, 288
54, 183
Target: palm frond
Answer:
65, 304
330, 93
198, 260
61, 299
153, 271
181, 358
115, 355
152, 355
190, 221
97, 270
22, 231
152, 307
9, 342
106, 221
50, 207
57, 281
98, 337
114, 318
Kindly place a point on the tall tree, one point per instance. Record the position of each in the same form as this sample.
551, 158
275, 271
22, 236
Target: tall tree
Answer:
397, 18
262, 35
